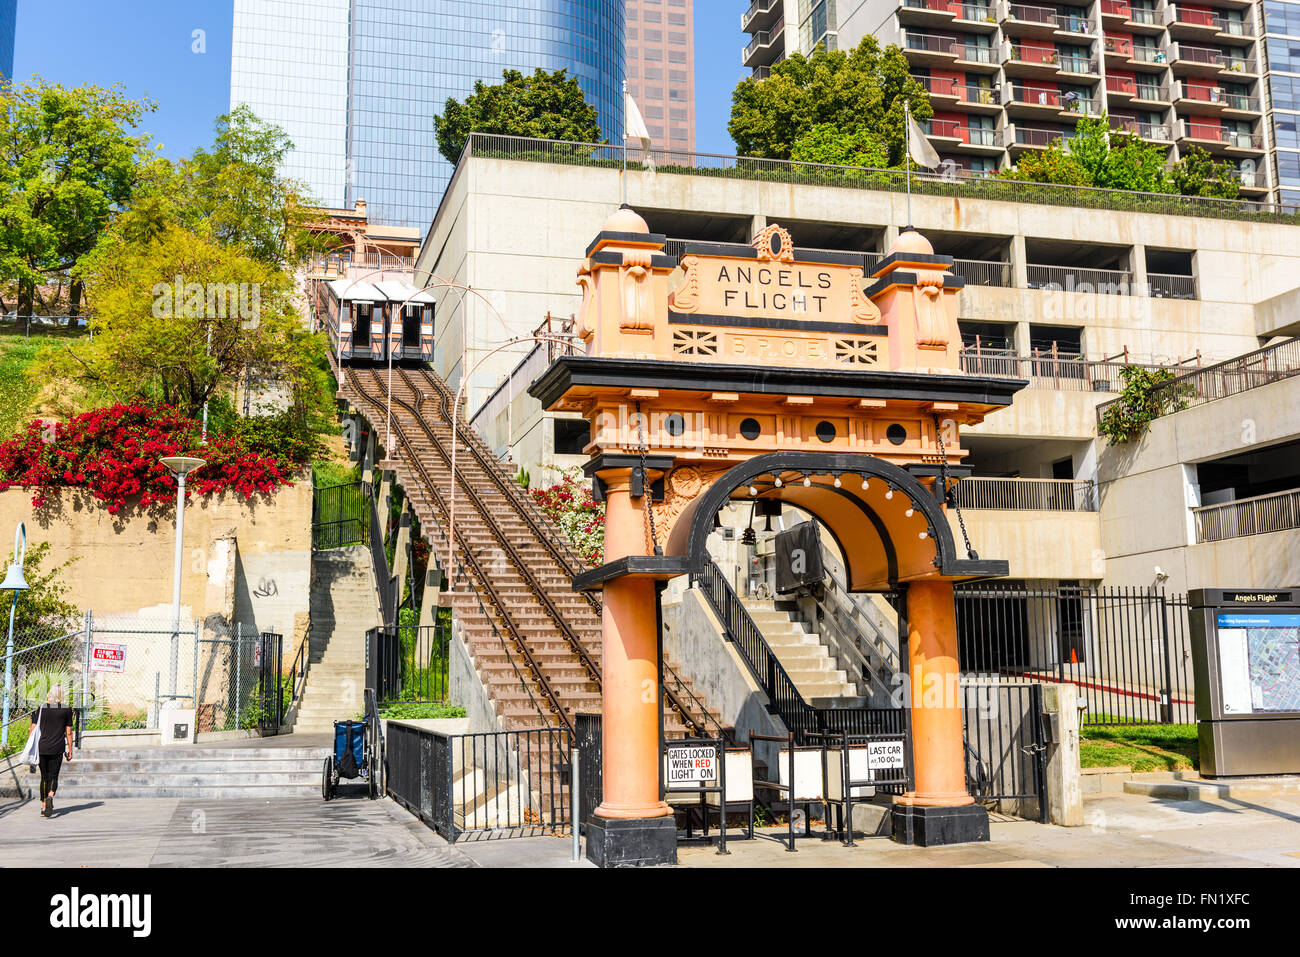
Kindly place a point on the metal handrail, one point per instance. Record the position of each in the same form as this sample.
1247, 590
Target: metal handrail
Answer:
1026, 494
799, 716
470, 565
1231, 377
1256, 515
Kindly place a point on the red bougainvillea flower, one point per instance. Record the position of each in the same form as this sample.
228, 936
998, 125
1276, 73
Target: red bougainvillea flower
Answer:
113, 453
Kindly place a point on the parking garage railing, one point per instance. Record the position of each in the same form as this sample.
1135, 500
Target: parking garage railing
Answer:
1275, 512
947, 182
1027, 494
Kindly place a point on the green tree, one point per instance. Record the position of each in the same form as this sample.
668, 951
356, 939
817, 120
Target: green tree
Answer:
1197, 174
827, 143
1116, 159
233, 193
179, 316
43, 610
548, 106
1096, 156
69, 163
861, 89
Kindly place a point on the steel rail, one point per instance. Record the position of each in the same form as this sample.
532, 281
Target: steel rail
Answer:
489, 464
467, 556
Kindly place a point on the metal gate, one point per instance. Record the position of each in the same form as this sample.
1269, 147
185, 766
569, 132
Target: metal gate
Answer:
1006, 747
270, 683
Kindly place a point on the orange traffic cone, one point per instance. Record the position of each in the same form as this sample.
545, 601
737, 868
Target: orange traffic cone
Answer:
1074, 657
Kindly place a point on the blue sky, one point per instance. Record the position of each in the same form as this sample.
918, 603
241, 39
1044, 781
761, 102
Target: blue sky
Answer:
151, 47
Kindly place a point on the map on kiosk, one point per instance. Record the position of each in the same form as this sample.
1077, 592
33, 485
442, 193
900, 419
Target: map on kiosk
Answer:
1259, 659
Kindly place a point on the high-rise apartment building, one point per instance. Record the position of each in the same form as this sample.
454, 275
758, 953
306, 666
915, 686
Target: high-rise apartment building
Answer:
661, 69
1006, 78
356, 83
8, 20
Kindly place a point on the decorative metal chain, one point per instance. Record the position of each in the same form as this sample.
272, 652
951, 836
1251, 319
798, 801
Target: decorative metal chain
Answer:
947, 477
647, 494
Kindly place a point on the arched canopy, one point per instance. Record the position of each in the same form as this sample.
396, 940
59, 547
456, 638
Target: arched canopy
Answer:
882, 543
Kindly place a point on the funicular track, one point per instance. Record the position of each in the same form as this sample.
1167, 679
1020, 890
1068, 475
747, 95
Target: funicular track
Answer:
535, 641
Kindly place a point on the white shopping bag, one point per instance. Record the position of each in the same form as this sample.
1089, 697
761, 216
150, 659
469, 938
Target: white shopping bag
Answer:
30, 755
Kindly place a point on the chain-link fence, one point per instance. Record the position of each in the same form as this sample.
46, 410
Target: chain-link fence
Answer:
118, 672
236, 680
40, 663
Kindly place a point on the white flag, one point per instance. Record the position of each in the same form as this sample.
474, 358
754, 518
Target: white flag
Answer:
918, 146
636, 128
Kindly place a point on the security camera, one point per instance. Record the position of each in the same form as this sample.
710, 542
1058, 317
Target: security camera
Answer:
1161, 574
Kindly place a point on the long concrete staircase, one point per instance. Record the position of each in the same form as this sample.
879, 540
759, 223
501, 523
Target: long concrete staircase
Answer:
344, 606
801, 652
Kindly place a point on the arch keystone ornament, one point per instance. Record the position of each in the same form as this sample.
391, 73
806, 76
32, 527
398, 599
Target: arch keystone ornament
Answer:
784, 374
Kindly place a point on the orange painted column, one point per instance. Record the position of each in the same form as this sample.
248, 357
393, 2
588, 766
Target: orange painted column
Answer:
630, 669
937, 753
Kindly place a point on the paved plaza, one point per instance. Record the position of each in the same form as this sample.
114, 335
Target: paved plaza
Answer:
1123, 830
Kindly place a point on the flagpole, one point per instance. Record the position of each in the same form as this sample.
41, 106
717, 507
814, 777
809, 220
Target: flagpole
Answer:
625, 142
907, 155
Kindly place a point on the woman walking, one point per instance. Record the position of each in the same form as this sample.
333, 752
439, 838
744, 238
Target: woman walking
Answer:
55, 728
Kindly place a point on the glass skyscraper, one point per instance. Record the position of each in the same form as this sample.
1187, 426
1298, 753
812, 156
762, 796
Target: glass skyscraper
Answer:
357, 83
1282, 51
8, 17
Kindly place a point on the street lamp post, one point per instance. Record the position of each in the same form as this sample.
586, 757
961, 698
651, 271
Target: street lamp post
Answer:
16, 582
180, 466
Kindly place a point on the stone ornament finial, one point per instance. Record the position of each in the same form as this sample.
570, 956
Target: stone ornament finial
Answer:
774, 245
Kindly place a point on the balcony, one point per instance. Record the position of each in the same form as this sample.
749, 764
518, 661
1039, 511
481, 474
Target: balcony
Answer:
1043, 102
1192, 60
765, 48
1021, 138
1205, 100
940, 87
977, 139
1158, 133
977, 16
761, 15
1116, 10
929, 48
979, 99
1219, 140
1259, 515
1079, 65
1184, 24
975, 57
1032, 20
1119, 50
1026, 61
1148, 59
1026, 494
942, 130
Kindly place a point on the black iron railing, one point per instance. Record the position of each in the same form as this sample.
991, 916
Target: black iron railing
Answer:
1006, 747
783, 696
1126, 650
409, 662
340, 516
496, 784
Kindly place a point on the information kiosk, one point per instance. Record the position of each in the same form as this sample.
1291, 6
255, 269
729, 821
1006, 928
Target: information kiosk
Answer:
1246, 654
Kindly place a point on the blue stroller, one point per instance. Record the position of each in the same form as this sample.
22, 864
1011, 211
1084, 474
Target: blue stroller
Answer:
355, 756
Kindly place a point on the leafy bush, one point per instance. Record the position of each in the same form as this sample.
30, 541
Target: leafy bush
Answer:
421, 712
569, 506
1145, 397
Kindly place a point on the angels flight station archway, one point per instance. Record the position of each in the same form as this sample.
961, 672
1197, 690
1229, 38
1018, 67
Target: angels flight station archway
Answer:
771, 372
